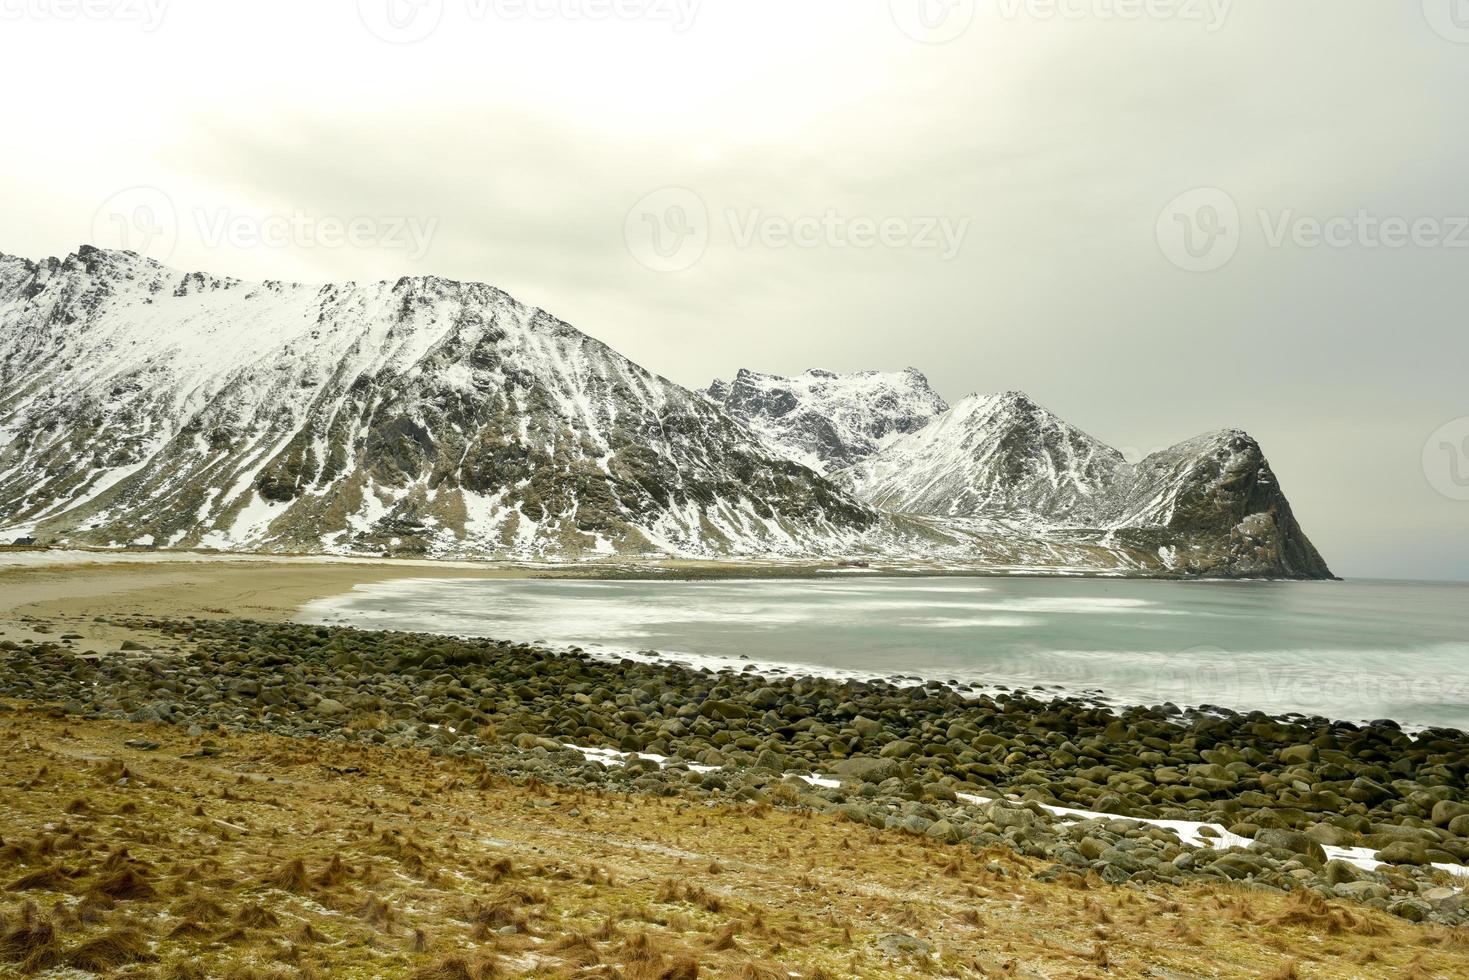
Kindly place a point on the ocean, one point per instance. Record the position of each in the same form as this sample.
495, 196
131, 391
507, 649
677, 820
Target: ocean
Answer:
1358, 651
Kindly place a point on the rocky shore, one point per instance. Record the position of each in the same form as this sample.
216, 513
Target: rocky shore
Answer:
936, 761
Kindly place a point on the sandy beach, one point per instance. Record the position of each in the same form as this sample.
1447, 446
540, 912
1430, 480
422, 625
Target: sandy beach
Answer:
189, 673
256, 589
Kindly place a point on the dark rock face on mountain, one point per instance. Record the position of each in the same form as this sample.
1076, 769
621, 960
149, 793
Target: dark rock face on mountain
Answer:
1209, 506
1224, 501
825, 420
139, 404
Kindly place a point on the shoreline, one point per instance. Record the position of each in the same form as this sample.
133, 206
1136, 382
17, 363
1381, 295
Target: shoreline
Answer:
640, 568
1289, 789
352, 609
197, 679
284, 589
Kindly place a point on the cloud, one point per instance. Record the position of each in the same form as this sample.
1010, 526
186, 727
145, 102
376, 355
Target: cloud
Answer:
1056, 140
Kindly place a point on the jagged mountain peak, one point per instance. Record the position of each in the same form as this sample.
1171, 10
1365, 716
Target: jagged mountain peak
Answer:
416, 416
1000, 455
1209, 505
981, 403
826, 420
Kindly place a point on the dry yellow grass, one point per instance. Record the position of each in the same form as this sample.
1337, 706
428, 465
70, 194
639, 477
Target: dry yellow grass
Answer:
268, 861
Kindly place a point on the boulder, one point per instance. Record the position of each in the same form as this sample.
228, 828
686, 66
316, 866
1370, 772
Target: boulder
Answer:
900, 749
1292, 842
1299, 755
1445, 811
1404, 852
944, 831
329, 708
1237, 865
865, 770
1339, 872
1361, 891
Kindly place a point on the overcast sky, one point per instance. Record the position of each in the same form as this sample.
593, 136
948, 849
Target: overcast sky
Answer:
1158, 218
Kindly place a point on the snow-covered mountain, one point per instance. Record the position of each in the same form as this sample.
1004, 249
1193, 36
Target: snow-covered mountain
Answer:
829, 421
1211, 505
999, 456
141, 404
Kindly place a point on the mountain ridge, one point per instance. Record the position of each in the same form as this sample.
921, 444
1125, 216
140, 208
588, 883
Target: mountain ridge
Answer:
425, 416
381, 413
828, 420
1005, 458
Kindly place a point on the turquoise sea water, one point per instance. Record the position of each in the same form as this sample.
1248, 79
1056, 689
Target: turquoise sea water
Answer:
1351, 650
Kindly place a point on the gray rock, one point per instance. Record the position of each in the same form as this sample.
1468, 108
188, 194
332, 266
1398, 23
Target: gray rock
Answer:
329, 708
1129, 860
1404, 852
1410, 909
1293, 842
1445, 811
944, 831
865, 770
1299, 755
900, 749
1331, 835
1361, 891
897, 945
1013, 816
1237, 865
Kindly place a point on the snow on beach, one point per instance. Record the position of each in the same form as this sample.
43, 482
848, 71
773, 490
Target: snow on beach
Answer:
1194, 834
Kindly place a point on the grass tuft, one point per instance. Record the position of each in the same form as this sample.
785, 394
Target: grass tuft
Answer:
290, 877
256, 916
461, 968
53, 879
115, 948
